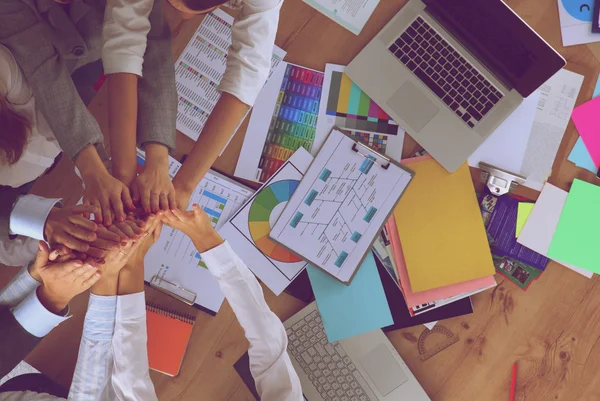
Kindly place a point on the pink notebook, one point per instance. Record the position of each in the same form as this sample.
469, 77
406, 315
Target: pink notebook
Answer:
435, 294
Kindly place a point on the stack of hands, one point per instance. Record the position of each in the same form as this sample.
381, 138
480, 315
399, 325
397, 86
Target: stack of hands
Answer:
83, 254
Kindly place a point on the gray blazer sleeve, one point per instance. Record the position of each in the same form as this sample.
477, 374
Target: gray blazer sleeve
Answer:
30, 41
16, 342
157, 96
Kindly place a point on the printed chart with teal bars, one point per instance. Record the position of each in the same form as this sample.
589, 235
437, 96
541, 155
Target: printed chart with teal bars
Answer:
294, 120
199, 70
174, 257
354, 110
340, 206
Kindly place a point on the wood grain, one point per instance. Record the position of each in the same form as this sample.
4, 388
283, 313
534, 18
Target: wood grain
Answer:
552, 330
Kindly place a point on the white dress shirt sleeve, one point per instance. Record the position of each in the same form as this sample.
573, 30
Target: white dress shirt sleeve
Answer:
124, 34
19, 287
275, 377
131, 375
91, 380
249, 59
29, 215
35, 318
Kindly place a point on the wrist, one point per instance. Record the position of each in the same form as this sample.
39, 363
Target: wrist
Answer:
89, 162
107, 285
157, 156
54, 303
207, 241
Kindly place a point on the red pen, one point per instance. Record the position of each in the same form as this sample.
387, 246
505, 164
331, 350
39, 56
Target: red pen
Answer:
513, 382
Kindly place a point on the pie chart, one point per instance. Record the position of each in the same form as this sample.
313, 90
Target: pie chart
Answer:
261, 213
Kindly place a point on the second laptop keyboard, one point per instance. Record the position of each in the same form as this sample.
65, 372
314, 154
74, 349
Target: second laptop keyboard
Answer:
449, 75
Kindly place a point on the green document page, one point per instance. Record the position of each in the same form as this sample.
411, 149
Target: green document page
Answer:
575, 240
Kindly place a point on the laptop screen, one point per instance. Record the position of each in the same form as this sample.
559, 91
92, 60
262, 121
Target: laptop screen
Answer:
500, 39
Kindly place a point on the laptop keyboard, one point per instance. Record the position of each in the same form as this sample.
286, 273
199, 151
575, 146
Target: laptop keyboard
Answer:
450, 76
327, 365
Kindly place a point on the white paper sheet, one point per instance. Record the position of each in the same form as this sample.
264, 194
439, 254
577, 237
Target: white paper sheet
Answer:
174, 258
199, 70
557, 100
247, 231
576, 22
430, 325
505, 148
284, 118
340, 206
541, 224
351, 14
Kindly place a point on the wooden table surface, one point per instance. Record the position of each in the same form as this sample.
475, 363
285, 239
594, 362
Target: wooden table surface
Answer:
552, 330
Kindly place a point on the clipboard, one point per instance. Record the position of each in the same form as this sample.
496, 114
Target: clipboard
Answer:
293, 217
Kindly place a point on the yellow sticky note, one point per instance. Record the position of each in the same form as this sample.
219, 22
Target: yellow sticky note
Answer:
523, 212
440, 225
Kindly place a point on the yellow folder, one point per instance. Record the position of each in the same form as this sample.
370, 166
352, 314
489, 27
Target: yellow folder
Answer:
439, 223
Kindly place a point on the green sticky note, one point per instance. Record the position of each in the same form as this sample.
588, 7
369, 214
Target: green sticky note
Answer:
523, 212
575, 240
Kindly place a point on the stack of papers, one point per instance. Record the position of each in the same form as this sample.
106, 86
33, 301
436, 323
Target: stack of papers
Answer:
580, 155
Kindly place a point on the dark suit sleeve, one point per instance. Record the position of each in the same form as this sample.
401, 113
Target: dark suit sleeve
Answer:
157, 96
30, 40
15, 342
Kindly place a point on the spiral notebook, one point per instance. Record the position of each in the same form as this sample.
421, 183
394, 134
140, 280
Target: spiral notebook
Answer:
168, 336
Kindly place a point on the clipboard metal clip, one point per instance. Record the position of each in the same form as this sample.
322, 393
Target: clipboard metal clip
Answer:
383, 166
172, 289
500, 181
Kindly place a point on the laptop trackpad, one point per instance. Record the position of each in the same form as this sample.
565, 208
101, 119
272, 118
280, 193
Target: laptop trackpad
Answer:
383, 369
412, 105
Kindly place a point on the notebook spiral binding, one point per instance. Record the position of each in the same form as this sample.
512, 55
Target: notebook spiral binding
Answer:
189, 319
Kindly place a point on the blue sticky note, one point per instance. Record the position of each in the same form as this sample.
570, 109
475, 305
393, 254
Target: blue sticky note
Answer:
351, 310
597, 88
580, 155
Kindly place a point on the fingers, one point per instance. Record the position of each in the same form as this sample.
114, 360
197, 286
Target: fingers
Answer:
172, 200
82, 221
97, 253
145, 198
127, 229
87, 284
105, 244
122, 236
72, 242
163, 202
98, 216
42, 256
134, 227
126, 198
105, 234
106, 213
156, 232
178, 214
154, 202
80, 233
85, 209
68, 267
117, 205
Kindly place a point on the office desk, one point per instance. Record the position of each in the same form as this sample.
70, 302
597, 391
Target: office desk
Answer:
552, 330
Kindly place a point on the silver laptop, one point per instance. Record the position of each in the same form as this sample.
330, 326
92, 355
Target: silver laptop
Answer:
363, 368
450, 71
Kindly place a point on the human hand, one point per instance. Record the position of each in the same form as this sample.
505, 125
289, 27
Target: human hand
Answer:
62, 279
67, 226
105, 241
196, 225
153, 189
109, 195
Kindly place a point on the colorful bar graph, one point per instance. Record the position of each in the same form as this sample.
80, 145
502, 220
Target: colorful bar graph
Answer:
354, 110
294, 118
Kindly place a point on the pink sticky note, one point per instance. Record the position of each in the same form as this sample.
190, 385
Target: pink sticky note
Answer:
434, 294
587, 120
